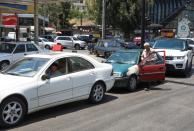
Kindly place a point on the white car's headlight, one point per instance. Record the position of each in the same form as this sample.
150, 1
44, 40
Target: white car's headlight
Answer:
180, 57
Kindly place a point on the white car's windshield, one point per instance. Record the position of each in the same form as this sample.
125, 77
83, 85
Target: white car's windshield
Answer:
169, 44
124, 58
7, 48
27, 67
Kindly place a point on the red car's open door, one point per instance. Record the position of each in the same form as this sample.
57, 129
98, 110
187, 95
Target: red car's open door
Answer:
153, 67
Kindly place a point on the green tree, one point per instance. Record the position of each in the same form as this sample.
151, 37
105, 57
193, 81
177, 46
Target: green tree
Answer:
94, 9
58, 13
123, 14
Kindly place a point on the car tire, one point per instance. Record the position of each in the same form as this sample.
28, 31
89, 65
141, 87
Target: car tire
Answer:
4, 65
186, 70
190, 65
12, 112
77, 46
97, 93
132, 83
47, 47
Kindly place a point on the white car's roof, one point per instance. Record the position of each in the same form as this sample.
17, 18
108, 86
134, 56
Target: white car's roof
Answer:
51, 55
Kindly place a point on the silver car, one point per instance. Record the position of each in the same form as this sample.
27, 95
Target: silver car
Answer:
70, 42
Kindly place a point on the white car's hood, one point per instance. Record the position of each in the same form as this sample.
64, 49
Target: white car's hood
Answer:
170, 52
4, 55
10, 81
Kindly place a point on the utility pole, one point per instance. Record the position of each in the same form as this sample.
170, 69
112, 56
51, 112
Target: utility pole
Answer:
36, 31
103, 19
17, 27
44, 11
142, 23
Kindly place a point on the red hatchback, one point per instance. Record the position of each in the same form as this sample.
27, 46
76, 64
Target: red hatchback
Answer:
129, 70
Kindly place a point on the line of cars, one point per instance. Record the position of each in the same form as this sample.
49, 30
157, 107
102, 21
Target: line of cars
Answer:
44, 80
40, 81
77, 41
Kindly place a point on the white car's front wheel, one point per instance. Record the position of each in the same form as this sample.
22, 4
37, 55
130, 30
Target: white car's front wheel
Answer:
12, 111
97, 92
47, 47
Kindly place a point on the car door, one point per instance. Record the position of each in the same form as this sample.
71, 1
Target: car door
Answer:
19, 52
58, 86
82, 74
61, 40
152, 68
69, 42
101, 48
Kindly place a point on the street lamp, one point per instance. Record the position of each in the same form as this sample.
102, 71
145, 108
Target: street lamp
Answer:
142, 23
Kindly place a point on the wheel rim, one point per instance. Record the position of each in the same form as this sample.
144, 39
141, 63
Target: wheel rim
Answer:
3, 66
47, 47
77, 47
98, 92
132, 83
12, 113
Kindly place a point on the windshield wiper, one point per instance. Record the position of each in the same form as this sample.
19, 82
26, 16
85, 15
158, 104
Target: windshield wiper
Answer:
120, 62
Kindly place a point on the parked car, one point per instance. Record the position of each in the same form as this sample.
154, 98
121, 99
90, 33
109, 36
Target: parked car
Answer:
178, 54
11, 52
129, 70
70, 42
44, 43
34, 84
106, 47
86, 38
49, 37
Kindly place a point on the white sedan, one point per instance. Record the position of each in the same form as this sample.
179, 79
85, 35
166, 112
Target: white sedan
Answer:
40, 81
44, 43
13, 51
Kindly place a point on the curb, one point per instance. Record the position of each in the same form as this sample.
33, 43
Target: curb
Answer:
183, 83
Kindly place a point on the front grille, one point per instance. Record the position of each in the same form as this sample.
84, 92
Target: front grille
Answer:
169, 67
169, 58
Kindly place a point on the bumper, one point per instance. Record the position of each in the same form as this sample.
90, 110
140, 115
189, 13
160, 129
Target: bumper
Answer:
121, 82
109, 83
176, 65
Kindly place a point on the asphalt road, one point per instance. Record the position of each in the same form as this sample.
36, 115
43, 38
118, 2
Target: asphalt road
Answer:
167, 107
